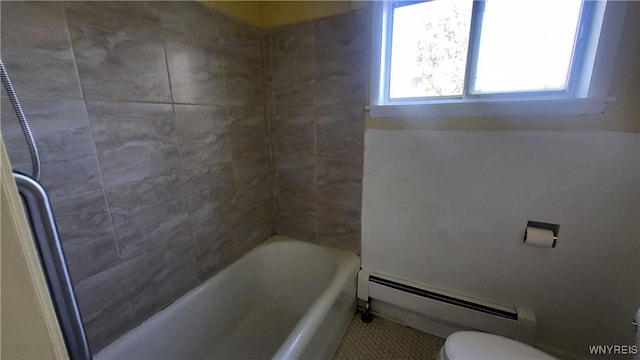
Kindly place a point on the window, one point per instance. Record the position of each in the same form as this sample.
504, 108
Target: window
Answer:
493, 57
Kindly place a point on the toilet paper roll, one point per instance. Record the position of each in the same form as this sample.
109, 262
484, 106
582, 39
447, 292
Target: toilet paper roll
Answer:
540, 237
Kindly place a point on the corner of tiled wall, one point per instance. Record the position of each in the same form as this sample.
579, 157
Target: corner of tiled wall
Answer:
174, 139
318, 71
151, 121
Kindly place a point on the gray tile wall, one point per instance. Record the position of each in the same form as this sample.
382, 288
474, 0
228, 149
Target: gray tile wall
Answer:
161, 160
316, 91
151, 122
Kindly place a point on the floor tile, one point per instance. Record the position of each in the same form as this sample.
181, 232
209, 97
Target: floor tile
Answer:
383, 339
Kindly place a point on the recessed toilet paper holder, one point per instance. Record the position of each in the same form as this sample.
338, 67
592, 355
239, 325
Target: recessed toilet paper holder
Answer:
555, 228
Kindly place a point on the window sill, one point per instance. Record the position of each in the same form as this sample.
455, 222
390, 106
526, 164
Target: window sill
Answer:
483, 107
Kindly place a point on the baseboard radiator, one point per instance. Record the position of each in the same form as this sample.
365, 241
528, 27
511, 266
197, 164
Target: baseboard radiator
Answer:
459, 312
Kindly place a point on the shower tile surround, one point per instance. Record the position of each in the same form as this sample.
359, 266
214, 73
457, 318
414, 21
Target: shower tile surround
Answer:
154, 151
174, 139
316, 90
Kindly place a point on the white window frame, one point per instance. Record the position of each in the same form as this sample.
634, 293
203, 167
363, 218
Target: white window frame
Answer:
588, 94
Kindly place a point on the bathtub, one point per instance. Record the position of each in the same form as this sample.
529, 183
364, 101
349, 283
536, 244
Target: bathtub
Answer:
285, 299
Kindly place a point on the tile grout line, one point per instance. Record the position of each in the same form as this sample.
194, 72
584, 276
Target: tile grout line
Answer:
315, 127
123, 278
273, 116
91, 131
234, 228
183, 195
265, 52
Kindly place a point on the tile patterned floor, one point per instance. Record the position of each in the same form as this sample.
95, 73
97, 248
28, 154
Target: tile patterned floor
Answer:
382, 340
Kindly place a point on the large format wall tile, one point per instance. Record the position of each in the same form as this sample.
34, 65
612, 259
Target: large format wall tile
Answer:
60, 127
162, 159
196, 70
293, 83
340, 57
134, 140
17, 149
295, 129
292, 64
71, 177
248, 131
242, 51
38, 57
296, 199
339, 227
340, 130
149, 214
345, 34
87, 235
213, 207
243, 43
119, 51
339, 181
209, 176
299, 226
171, 215
288, 42
62, 133
296, 184
159, 276
253, 184
335, 84
203, 134
258, 225
106, 310
297, 169
243, 83
189, 18
214, 249
316, 84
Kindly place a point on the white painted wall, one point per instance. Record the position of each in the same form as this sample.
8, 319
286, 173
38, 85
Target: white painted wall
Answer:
449, 208
446, 201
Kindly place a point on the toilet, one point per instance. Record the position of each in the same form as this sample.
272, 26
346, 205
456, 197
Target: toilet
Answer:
477, 345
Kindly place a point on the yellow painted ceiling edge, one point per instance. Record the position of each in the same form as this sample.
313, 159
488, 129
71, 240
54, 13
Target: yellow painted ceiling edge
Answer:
267, 14
246, 11
279, 13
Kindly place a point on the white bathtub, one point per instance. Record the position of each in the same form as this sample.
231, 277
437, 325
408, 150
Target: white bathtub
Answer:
285, 299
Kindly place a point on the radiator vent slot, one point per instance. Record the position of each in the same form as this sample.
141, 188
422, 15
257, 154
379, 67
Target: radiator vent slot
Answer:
441, 312
444, 298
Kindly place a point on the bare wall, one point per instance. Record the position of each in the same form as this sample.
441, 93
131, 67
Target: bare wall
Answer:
446, 201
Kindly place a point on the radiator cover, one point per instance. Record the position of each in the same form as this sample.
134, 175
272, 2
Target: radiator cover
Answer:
435, 305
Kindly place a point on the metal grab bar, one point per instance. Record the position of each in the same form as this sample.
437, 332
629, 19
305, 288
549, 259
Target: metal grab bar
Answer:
45, 233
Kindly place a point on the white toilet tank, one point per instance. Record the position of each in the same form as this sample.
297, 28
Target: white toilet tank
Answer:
467, 345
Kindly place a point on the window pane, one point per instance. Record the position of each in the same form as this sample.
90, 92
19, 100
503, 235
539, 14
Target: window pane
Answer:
526, 45
429, 48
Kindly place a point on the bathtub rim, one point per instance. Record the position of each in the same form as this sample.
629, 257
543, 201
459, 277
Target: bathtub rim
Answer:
348, 266
345, 260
